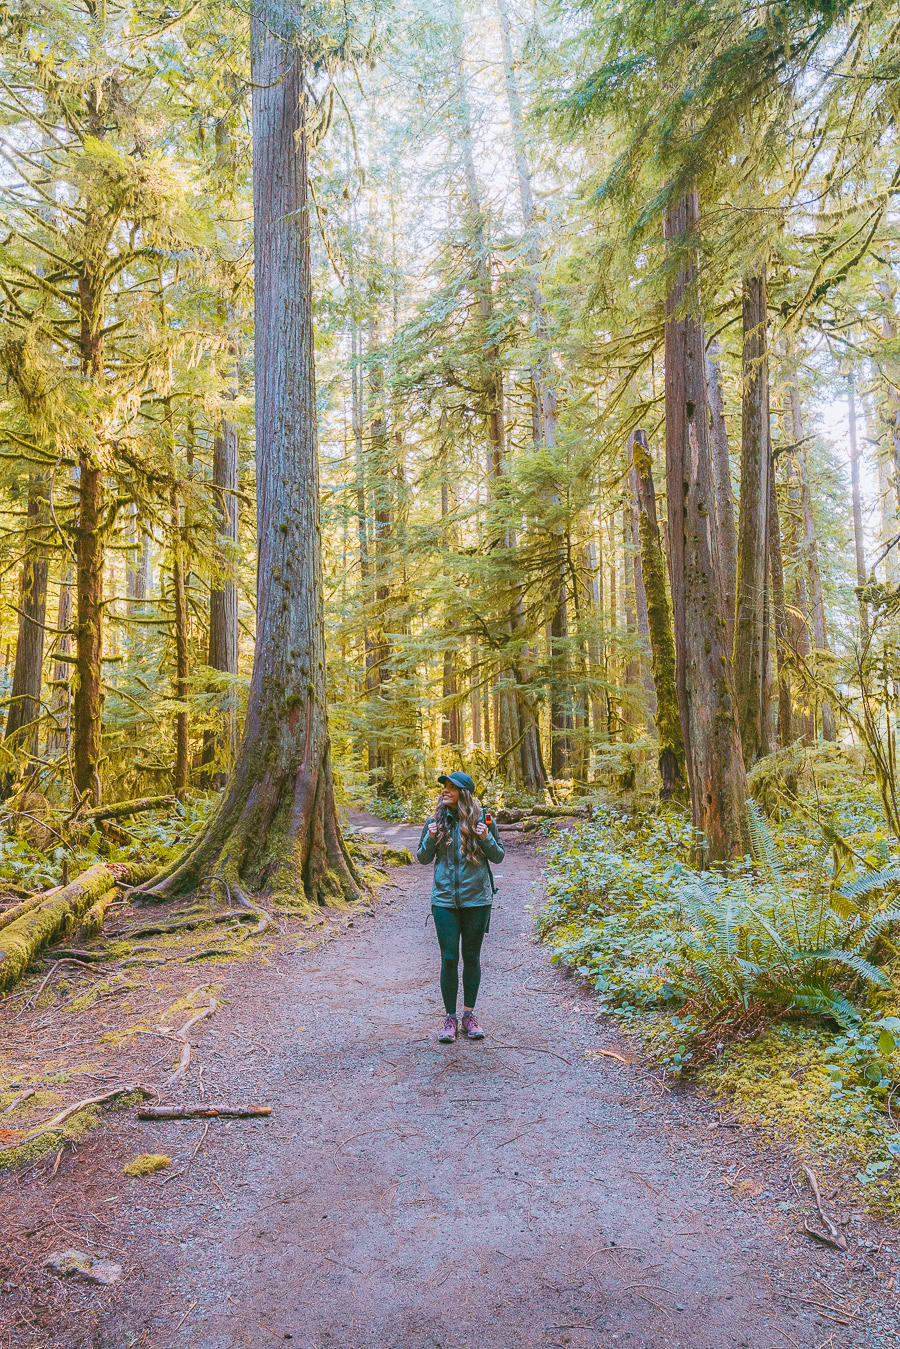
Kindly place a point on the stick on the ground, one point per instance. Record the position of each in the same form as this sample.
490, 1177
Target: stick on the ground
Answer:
203, 1111
17, 1100
835, 1237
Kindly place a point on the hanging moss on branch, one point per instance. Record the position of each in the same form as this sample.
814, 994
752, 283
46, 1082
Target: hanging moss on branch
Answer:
662, 642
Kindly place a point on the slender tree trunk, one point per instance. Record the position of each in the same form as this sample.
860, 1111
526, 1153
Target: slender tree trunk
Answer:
800, 617
88, 701
25, 702
779, 614
276, 826
60, 737
640, 600
721, 460
811, 551
858, 536
749, 626
662, 645
220, 745
182, 654
709, 723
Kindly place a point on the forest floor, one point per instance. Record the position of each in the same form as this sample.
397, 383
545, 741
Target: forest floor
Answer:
542, 1187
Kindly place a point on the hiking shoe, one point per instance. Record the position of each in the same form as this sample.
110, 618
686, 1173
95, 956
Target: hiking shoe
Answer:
449, 1030
471, 1028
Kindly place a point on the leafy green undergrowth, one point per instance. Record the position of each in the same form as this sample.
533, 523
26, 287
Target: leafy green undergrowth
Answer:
156, 836
776, 978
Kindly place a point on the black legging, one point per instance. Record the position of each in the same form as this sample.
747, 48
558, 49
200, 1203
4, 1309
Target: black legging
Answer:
454, 926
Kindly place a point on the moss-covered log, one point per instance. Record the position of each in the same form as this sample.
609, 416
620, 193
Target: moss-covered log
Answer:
119, 809
41, 919
662, 642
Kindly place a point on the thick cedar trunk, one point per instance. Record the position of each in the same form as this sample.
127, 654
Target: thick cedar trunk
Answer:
811, 551
662, 645
25, 702
87, 704
632, 663
858, 536
276, 827
182, 654
219, 747
715, 765
779, 615
750, 646
721, 461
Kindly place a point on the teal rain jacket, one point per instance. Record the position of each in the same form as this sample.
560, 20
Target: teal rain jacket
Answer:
458, 883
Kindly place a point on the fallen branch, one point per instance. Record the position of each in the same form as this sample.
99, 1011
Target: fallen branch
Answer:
834, 1237
203, 1111
611, 1054
119, 809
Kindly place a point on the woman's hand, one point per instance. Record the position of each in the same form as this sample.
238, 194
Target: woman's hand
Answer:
481, 829
432, 828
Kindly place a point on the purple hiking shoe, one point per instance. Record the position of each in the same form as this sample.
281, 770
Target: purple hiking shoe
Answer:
449, 1030
471, 1028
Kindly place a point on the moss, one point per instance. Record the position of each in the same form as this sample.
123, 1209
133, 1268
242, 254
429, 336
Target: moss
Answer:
147, 1164
73, 1131
26, 936
780, 1084
41, 1100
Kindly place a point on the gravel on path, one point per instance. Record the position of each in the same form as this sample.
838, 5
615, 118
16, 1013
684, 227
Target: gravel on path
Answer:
515, 1193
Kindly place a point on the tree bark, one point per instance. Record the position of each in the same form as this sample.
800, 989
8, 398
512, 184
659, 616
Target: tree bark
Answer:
715, 765
858, 536
219, 746
779, 614
181, 769
721, 460
87, 706
60, 736
25, 702
811, 551
276, 827
662, 645
750, 664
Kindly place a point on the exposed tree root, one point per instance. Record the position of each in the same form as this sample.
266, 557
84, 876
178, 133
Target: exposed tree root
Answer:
18, 1100
58, 1120
187, 1051
186, 924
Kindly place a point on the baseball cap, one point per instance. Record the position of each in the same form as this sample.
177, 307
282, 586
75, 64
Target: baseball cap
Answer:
459, 780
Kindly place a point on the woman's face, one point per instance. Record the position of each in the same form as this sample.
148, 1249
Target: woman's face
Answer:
449, 795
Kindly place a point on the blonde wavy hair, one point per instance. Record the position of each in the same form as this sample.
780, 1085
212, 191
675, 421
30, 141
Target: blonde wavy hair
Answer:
468, 810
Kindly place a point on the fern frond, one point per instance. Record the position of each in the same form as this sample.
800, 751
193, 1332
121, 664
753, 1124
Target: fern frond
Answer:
877, 925
866, 885
762, 844
813, 997
871, 973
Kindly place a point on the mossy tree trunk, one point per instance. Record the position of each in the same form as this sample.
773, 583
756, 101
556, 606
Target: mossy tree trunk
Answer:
662, 644
749, 623
219, 746
25, 701
721, 459
276, 828
780, 618
713, 758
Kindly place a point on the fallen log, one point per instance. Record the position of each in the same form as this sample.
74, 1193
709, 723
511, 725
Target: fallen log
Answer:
559, 812
57, 913
203, 1111
32, 902
117, 810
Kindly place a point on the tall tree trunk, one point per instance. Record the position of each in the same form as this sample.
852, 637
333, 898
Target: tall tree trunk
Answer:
276, 827
662, 645
715, 765
640, 599
858, 536
779, 614
811, 551
25, 702
182, 653
87, 708
61, 735
750, 648
220, 745
721, 460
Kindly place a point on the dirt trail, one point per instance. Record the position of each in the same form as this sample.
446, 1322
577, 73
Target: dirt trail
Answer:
408, 1195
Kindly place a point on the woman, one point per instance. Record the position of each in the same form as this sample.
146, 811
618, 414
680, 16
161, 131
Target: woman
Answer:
460, 844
